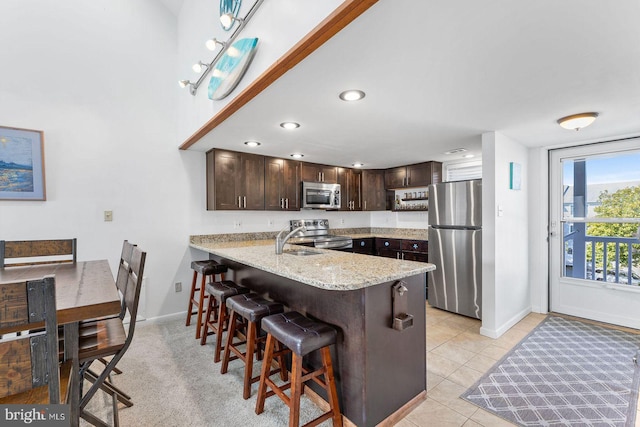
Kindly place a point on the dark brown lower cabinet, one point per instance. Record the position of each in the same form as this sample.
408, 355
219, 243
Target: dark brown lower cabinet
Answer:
364, 246
409, 250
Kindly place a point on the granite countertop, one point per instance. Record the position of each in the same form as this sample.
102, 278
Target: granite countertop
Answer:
331, 270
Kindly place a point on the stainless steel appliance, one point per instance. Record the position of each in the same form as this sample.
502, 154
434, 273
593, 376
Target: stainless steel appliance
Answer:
455, 247
317, 235
320, 195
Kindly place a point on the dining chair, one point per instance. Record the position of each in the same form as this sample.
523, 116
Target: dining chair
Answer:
15, 253
29, 368
113, 341
90, 327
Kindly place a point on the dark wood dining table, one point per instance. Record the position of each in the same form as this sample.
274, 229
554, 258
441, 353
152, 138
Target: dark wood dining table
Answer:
84, 290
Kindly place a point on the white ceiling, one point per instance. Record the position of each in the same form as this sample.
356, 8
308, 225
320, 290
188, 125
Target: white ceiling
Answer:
438, 74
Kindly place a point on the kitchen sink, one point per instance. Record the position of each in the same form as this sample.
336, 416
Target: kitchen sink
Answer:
301, 252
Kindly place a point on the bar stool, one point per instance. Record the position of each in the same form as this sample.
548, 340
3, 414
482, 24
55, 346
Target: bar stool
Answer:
205, 268
302, 336
246, 312
216, 316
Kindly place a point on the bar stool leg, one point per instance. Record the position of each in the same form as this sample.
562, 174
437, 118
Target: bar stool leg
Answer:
252, 338
191, 296
227, 348
296, 390
222, 317
212, 309
201, 306
264, 376
330, 381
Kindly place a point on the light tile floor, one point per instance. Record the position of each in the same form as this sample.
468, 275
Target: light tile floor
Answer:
457, 356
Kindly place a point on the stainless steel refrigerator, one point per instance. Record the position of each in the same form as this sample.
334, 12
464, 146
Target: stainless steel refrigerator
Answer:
455, 247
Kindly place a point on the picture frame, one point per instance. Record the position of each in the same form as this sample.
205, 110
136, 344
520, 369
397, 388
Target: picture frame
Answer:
22, 164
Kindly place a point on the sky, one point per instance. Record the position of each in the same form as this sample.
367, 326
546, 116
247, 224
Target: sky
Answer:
15, 148
607, 169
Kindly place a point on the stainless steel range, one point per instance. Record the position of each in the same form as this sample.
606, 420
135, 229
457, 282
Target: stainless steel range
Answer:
317, 235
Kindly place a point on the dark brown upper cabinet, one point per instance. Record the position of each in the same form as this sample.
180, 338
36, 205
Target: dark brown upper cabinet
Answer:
350, 181
282, 184
373, 192
418, 175
235, 181
319, 173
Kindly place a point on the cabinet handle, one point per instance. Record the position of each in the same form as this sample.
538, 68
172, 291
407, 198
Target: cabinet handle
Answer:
240, 202
282, 203
244, 198
286, 202
397, 255
402, 255
365, 205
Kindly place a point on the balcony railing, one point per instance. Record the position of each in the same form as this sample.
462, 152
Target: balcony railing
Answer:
609, 269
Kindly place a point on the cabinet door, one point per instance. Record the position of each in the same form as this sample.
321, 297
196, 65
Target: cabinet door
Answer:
226, 179
388, 244
273, 184
252, 181
329, 174
310, 172
291, 185
415, 245
373, 192
319, 173
364, 246
395, 178
354, 188
419, 175
389, 253
343, 180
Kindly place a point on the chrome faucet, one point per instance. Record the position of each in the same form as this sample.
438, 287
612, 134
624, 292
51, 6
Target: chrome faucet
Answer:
280, 241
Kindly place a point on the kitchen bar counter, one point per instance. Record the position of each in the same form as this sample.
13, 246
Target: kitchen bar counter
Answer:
331, 270
380, 371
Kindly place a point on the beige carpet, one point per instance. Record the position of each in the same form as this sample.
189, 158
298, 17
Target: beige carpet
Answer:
173, 382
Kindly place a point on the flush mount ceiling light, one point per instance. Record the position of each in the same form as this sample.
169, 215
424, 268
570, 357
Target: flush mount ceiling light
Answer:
352, 95
252, 144
297, 155
468, 156
213, 43
577, 121
357, 165
456, 150
289, 125
199, 66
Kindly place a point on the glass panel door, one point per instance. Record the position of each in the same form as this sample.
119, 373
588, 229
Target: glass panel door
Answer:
594, 231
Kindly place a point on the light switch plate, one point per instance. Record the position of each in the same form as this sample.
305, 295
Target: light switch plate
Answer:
108, 216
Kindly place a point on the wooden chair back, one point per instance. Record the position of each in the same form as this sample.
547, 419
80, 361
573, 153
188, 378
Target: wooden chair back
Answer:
29, 360
18, 252
122, 278
134, 285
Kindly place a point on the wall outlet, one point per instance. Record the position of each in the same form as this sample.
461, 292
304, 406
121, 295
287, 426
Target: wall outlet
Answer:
341, 220
237, 224
270, 223
108, 216
178, 286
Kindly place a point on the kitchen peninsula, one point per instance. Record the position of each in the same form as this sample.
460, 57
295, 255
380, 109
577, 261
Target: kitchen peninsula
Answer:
380, 371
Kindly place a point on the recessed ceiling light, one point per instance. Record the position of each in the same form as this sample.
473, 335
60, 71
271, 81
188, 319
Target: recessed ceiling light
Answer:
252, 144
357, 165
289, 125
468, 156
297, 155
577, 121
352, 95
456, 150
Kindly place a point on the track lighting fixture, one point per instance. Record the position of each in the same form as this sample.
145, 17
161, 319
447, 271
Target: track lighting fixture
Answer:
213, 43
228, 19
200, 67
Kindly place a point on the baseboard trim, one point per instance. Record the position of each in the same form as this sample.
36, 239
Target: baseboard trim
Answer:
391, 420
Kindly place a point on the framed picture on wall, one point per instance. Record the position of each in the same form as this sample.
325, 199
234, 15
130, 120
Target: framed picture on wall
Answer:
21, 164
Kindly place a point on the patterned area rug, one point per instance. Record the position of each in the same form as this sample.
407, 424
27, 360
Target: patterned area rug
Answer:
564, 373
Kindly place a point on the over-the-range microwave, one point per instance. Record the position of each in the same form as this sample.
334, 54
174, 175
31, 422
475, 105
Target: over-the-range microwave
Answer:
320, 195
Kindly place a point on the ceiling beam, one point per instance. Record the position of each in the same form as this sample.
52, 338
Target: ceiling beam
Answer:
347, 12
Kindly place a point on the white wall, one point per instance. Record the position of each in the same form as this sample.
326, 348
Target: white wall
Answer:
538, 179
505, 277
278, 24
98, 78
